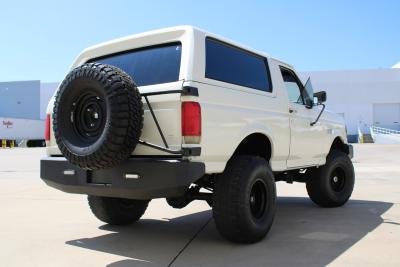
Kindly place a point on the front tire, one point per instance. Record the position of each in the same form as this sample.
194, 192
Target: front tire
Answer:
332, 184
117, 211
244, 199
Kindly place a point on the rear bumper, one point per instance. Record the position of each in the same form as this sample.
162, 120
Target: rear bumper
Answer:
136, 178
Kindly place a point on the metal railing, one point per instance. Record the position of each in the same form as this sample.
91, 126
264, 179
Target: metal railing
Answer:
380, 130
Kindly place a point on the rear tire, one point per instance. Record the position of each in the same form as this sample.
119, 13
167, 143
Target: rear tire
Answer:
332, 184
117, 211
244, 199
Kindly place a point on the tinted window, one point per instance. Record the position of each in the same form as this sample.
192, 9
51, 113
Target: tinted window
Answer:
149, 65
232, 65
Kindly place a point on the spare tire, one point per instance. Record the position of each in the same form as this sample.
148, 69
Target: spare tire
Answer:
97, 116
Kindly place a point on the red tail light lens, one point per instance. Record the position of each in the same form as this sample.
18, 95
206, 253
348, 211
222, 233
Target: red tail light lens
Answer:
47, 128
191, 122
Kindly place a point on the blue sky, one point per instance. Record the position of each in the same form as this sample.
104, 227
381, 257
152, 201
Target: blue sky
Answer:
40, 39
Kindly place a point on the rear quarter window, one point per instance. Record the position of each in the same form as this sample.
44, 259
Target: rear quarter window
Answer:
236, 66
150, 65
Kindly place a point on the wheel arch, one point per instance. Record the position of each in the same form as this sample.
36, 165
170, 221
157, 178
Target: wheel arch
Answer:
339, 144
256, 144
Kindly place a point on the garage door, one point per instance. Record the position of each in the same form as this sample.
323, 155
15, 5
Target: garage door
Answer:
387, 115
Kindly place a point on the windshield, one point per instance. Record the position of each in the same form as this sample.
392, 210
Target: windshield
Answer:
147, 66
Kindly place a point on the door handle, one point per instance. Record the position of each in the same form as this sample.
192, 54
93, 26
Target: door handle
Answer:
292, 110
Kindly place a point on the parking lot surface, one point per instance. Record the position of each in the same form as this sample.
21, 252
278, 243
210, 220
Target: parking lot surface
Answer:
40, 226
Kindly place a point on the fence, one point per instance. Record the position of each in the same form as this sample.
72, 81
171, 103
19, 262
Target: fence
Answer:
384, 135
380, 130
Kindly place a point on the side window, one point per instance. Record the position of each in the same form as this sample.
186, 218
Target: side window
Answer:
293, 86
236, 66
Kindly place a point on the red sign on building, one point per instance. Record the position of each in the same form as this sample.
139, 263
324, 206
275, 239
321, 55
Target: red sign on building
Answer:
8, 124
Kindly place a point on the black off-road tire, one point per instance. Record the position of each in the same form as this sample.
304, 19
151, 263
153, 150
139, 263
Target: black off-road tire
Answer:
117, 211
236, 218
327, 191
107, 135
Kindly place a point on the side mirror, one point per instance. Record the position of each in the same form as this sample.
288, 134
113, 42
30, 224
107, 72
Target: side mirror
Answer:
320, 97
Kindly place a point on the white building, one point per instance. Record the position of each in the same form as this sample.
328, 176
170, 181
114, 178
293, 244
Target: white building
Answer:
23, 107
362, 97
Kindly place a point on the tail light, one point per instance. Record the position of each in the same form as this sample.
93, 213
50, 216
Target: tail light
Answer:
191, 122
47, 128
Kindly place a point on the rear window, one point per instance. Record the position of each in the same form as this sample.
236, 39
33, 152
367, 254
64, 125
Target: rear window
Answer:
233, 65
147, 66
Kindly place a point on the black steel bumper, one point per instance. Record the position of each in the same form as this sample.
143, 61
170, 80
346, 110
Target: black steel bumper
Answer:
136, 178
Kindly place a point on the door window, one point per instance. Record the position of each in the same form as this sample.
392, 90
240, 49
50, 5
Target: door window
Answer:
294, 88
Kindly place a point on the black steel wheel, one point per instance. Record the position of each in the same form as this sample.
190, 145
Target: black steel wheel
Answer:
258, 199
88, 111
338, 179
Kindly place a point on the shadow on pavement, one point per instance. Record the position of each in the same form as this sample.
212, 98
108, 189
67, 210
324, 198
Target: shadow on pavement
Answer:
148, 242
302, 235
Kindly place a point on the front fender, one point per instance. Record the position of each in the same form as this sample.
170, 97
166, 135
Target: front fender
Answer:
343, 138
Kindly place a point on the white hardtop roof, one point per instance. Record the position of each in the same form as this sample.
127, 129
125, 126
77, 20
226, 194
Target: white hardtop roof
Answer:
183, 28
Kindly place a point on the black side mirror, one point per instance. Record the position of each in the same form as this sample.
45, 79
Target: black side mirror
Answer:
321, 97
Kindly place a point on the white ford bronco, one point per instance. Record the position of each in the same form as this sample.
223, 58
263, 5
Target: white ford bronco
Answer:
184, 114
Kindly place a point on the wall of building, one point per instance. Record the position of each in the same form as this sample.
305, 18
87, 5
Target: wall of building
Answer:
20, 99
46, 92
353, 93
